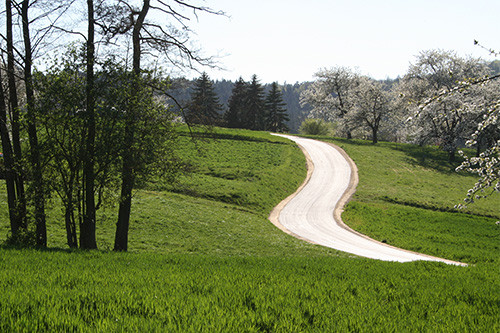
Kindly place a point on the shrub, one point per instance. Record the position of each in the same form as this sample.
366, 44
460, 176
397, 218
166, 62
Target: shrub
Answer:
316, 127
23, 239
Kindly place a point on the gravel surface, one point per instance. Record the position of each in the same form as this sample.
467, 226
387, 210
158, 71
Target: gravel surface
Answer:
313, 212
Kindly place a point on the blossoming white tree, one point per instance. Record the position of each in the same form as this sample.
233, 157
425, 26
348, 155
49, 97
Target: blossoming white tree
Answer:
332, 96
373, 105
487, 164
442, 115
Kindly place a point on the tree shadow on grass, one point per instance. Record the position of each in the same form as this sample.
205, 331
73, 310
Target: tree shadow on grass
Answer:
431, 157
8, 247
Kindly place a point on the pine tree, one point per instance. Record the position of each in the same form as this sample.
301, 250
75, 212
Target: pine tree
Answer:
204, 106
254, 118
237, 105
276, 114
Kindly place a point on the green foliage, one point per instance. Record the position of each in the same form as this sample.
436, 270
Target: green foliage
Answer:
23, 238
243, 174
230, 96
316, 127
254, 116
236, 105
2, 167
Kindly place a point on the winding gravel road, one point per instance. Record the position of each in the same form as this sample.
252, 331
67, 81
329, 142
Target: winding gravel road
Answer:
313, 212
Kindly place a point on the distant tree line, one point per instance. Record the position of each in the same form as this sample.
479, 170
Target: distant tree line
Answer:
297, 108
248, 106
182, 90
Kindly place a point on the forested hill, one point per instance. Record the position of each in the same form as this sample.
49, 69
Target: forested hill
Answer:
181, 91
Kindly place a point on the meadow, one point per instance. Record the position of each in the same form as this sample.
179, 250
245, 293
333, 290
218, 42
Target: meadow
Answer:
204, 258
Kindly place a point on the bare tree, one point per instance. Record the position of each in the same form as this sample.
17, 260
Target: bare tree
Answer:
122, 226
38, 182
17, 196
88, 225
8, 157
147, 37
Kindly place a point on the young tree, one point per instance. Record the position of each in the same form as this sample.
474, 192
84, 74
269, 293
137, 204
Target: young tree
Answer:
204, 106
254, 117
332, 96
39, 190
60, 106
19, 196
237, 105
8, 164
275, 110
316, 127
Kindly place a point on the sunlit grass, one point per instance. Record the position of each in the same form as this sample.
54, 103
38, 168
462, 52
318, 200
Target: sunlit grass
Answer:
191, 293
205, 258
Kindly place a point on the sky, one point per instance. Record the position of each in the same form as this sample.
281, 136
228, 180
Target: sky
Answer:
290, 40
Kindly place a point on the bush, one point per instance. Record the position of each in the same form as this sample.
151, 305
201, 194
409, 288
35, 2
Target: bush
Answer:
317, 127
23, 238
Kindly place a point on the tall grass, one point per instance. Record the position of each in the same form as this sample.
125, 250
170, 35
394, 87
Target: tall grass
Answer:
185, 293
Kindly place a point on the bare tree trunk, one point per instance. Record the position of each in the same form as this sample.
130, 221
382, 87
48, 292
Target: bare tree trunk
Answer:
39, 186
70, 221
451, 155
128, 177
374, 134
8, 165
17, 174
88, 225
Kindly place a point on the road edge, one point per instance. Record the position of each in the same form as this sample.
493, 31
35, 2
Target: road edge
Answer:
275, 213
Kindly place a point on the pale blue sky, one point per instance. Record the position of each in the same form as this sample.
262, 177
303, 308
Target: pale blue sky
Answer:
289, 40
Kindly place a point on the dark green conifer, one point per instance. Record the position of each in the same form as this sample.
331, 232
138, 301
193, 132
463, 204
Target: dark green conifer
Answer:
237, 105
255, 117
204, 106
275, 109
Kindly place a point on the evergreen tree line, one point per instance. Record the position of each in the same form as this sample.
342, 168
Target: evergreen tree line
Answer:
248, 106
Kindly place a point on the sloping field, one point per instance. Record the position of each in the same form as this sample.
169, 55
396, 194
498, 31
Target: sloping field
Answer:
204, 257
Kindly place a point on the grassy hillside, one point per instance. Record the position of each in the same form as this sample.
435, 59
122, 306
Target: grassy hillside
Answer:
203, 256
406, 197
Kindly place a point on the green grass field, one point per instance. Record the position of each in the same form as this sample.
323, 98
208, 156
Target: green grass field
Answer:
204, 258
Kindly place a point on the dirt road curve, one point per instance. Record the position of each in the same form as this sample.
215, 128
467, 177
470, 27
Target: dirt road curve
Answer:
313, 212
